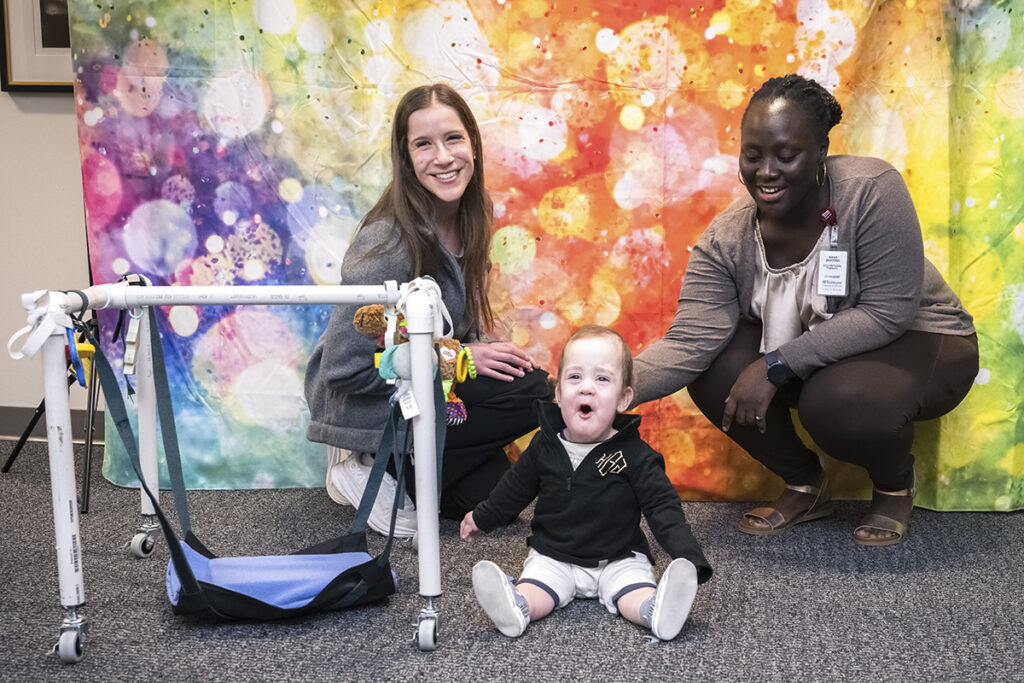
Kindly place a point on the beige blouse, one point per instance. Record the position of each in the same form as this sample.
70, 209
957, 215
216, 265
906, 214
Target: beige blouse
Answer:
786, 299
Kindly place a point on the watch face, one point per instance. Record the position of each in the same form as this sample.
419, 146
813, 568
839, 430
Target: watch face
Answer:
778, 374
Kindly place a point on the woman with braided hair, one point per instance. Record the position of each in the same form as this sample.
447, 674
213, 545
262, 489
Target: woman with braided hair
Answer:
814, 293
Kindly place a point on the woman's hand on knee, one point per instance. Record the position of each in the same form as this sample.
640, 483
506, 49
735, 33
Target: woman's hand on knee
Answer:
747, 403
501, 360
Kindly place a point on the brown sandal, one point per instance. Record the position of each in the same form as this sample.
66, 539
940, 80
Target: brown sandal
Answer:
889, 512
788, 509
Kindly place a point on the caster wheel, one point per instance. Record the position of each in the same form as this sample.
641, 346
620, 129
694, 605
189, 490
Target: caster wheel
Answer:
426, 635
69, 647
142, 545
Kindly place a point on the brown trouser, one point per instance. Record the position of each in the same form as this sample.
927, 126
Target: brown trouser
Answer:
860, 409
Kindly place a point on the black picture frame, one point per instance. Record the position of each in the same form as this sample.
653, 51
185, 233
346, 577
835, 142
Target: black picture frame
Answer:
35, 51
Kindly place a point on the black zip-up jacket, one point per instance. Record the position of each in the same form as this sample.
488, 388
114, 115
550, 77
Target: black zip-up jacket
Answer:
593, 513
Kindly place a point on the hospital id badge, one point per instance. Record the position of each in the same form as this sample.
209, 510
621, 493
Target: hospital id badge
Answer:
832, 277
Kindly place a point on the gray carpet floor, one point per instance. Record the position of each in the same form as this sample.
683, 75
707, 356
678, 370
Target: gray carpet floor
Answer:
805, 605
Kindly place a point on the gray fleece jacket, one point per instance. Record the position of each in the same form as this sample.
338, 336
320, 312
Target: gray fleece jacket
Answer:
892, 286
347, 398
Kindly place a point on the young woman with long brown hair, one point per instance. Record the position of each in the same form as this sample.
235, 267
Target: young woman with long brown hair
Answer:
434, 218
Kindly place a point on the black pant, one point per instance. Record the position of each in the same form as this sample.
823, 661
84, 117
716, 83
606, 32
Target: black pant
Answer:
474, 451
860, 409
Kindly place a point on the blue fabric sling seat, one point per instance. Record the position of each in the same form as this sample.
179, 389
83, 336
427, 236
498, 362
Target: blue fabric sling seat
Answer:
287, 582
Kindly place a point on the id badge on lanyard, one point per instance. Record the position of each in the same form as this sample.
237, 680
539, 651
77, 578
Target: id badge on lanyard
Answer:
833, 262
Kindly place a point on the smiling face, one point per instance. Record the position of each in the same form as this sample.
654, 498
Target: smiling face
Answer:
780, 157
441, 153
590, 389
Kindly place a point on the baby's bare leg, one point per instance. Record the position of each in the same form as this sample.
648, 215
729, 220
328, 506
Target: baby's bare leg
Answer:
540, 602
629, 604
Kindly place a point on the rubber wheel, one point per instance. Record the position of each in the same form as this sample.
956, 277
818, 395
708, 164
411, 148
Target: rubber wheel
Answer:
426, 635
69, 647
142, 545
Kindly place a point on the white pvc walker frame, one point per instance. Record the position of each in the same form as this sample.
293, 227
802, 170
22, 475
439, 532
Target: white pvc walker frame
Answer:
48, 322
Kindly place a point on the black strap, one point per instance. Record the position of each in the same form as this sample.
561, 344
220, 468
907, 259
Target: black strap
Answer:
83, 297
379, 465
119, 415
386, 452
119, 328
168, 431
440, 423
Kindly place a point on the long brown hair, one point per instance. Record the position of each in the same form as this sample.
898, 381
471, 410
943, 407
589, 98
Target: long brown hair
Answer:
410, 206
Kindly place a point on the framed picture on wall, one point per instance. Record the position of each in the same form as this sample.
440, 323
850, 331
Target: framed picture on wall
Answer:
36, 46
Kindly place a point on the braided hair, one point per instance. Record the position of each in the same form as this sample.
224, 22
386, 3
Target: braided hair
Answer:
821, 107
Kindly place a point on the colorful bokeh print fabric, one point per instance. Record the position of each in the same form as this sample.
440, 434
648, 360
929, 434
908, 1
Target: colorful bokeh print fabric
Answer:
239, 143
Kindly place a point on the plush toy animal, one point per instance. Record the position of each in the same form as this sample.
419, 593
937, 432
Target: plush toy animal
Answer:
394, 361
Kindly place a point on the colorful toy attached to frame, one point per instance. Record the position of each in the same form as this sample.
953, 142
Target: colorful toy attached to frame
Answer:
388, 325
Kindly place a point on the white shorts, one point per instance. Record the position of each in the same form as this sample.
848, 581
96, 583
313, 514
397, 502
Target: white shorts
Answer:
607, 582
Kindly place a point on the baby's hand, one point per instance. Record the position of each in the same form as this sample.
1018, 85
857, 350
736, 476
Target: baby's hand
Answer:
468, 529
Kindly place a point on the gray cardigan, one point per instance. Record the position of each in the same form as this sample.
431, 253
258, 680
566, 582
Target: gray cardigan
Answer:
892, 286
347, 398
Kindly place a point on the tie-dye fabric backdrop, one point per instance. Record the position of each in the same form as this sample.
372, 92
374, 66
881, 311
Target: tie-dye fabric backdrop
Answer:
238, 143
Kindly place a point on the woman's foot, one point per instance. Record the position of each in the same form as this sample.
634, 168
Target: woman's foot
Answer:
887, 518
347, 475
335, 459
796, 504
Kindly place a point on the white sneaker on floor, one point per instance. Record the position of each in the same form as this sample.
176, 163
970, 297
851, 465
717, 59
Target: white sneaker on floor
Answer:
347, 477
335, 457
380, 515
497, 595
673, 599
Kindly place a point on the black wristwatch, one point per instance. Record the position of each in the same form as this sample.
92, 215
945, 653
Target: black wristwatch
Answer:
779, 373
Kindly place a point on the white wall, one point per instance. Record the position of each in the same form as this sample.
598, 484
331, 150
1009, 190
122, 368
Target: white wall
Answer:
42, 222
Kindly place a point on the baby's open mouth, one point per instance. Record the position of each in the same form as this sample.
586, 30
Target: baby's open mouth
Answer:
585, 409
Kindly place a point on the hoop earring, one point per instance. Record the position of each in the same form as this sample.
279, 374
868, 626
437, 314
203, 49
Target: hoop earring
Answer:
821, 175
740, 178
